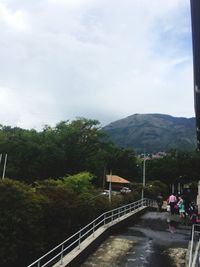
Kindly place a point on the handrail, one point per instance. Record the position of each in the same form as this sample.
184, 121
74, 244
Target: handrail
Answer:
194, 246
194, 262
76, 239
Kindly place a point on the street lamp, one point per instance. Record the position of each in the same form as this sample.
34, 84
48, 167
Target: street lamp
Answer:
100, 194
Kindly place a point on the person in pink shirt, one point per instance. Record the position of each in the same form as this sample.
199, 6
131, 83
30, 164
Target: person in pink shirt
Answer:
172, 200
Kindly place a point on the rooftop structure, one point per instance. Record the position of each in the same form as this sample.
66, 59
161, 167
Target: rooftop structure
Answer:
116, 179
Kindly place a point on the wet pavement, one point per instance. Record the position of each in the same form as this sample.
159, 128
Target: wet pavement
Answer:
156, 239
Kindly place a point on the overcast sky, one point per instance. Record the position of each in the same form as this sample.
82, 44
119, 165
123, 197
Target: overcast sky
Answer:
98, 59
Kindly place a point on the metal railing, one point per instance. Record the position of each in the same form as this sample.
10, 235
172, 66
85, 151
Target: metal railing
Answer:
57, 253
194, 260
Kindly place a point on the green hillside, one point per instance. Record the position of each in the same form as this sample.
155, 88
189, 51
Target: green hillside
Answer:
153, 132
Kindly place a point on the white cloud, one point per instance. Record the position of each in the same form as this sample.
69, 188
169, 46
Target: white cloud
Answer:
98, 59
25, 109
71, 3
14, 19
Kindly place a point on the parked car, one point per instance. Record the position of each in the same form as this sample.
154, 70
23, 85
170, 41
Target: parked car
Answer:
125, 190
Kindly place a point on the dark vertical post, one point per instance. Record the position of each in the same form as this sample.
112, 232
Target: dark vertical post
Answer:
4, 167
195, 16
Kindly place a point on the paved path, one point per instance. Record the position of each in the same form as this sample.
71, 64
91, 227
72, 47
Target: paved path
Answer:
157, 239
76, 251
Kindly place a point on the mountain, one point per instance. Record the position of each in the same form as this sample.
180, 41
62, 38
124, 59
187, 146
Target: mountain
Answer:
153, 133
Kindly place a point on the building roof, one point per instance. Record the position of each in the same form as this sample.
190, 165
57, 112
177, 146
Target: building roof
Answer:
116, 179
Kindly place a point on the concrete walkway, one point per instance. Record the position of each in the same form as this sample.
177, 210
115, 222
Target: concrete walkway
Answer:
88, 241
156, 239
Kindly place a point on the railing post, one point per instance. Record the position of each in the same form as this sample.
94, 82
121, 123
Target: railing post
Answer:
112, 217
61, 259
79, 240
191, 246
195, 258
104, 219
93, 228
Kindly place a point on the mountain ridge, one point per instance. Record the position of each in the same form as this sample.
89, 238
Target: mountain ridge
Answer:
153, 132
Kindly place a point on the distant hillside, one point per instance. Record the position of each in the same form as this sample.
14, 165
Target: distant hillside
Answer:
153, 133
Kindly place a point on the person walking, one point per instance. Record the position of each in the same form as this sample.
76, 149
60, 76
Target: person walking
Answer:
159, 202
172, 200
181, 206
187, 202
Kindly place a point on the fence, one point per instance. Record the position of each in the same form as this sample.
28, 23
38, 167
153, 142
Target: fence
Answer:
57, 253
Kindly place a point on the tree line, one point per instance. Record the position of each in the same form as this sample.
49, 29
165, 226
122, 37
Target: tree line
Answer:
81, 145
67, 148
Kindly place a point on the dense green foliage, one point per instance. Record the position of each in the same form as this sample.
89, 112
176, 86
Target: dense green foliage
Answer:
153, 133
68, 148
176, 166
35, 219
32, 220
20, 216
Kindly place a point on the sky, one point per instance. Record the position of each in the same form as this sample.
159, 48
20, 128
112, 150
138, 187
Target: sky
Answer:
97, 59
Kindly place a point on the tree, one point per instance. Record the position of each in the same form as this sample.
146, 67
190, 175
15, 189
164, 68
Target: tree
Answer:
122, 162
20, 214
80, 183
176, 166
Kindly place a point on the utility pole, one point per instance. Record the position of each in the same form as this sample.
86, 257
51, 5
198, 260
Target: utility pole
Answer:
4, 167
104, 177
144, 177
179, 188
173, 189
110, 187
